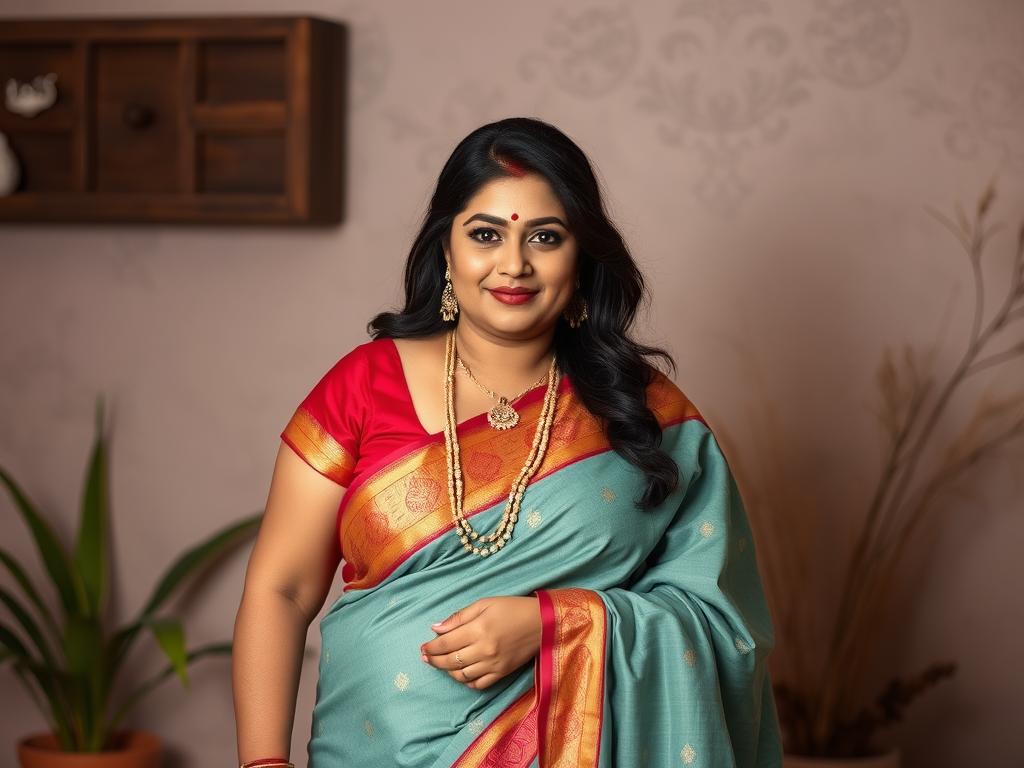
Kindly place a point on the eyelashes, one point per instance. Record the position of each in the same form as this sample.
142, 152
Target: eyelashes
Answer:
554, 237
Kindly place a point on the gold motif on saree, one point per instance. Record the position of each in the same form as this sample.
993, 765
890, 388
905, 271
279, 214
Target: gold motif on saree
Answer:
608, 493
401, 681
689, 754
534, 519
707, 529
690, 657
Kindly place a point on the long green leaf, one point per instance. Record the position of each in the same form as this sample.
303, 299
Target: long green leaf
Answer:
20, 576
199, 555
13, 645
38, 695
54, 556
30, 627
83, 647
214, 649
91, 549
171, 637
118, 643
44, 677
190, 561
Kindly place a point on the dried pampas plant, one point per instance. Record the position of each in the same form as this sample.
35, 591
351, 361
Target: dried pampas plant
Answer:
817, 698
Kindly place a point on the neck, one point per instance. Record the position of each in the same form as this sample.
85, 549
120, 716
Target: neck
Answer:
501, 363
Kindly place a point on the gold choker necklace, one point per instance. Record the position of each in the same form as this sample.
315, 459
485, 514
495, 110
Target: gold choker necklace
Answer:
535, 458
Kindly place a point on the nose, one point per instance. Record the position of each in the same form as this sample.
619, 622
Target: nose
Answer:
512, 259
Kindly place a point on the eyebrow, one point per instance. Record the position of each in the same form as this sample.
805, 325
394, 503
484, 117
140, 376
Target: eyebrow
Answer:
504, 222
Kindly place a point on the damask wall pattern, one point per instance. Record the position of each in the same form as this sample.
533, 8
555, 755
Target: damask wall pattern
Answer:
769, 163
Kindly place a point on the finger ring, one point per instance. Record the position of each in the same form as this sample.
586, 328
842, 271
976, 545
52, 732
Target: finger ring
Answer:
459, 659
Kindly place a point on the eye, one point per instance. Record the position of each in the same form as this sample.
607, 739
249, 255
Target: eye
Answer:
555, 237
473, 234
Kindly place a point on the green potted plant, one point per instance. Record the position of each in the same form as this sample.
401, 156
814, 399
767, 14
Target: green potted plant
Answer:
69, 663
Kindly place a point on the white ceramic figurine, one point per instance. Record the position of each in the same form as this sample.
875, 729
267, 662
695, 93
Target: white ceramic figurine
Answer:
29, 99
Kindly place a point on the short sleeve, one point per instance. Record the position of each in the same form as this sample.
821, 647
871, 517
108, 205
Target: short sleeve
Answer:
326, 427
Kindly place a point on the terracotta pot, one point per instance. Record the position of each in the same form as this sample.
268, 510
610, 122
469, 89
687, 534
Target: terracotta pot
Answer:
890, 759
134, 749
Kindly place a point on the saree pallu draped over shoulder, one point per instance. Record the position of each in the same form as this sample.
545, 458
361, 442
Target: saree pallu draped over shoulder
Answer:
655, 634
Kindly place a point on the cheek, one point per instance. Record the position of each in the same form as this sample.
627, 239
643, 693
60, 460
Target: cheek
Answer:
564, 286
473, 269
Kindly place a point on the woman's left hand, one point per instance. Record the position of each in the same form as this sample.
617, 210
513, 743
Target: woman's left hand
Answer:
493, 636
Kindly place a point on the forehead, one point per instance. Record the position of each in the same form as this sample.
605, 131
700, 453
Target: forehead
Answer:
529, 196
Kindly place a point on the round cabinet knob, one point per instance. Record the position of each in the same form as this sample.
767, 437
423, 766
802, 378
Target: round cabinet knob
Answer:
138, 116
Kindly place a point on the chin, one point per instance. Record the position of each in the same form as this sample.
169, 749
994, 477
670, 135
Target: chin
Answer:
526, 325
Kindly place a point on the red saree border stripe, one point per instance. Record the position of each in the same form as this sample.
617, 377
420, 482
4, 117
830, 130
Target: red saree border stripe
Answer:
316, 445
418, 477
542, 681
572, 664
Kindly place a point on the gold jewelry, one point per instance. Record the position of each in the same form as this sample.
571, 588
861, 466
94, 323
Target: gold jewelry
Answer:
503, 533
503, 415
449, 304
576, 312
459, 659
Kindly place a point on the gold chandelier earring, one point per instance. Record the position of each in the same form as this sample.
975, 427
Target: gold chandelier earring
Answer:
449, 304
576, 312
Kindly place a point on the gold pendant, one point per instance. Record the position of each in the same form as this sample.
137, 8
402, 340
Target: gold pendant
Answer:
503, 415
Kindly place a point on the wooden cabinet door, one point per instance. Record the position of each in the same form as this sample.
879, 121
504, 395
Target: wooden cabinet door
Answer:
206, 120
136, 129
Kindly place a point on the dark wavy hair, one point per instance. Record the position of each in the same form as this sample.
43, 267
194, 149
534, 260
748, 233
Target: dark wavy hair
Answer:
607, 368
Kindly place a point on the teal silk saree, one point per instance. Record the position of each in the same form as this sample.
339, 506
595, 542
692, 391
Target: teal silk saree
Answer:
656, 631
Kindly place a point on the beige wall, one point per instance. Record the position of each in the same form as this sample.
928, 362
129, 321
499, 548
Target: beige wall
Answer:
782, 227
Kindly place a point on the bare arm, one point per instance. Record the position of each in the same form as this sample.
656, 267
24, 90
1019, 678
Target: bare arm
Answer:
287, 579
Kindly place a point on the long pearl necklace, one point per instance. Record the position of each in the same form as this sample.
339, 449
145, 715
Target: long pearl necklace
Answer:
503, 533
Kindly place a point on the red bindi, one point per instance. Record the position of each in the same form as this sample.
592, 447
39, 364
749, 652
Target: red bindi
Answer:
515, 216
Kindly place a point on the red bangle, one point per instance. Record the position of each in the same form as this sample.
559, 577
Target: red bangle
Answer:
266, 761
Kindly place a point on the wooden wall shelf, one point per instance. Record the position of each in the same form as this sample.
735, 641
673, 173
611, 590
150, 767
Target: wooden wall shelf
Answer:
198, 120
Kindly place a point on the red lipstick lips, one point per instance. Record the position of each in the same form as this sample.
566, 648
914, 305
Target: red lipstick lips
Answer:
508, 295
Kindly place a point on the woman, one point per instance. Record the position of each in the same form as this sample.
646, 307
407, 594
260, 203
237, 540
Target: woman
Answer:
502, 457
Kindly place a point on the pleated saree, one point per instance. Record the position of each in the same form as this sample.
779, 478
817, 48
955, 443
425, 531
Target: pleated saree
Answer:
655, 627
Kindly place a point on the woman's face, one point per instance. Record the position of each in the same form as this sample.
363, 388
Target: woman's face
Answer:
512, 233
